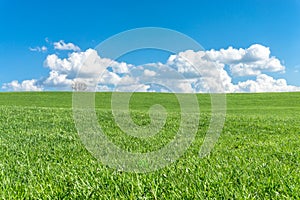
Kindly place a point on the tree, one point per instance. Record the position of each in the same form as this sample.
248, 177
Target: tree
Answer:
79, 86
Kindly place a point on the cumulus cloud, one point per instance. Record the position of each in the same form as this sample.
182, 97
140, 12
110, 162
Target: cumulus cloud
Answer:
56, 79
246, 62
149, 72
187, 72
88, 62
86, 67
27, 85
38, 49
265, 83
209, 68
61, 45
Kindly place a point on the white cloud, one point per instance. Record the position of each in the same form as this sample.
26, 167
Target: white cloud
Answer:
186, 72
149, 72
58, 80
265, 83
89, 62
209, 67
121, 68
109, 78
27, 85
85, 66
38, 49
247, 62
61, 45
185, 86
132, 87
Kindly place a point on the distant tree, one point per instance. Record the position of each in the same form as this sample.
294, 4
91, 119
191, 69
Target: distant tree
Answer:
79, 86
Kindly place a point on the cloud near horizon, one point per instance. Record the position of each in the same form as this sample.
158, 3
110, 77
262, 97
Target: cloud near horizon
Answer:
27, 85
186, 72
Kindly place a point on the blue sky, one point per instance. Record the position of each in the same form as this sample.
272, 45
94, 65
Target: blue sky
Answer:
214, 24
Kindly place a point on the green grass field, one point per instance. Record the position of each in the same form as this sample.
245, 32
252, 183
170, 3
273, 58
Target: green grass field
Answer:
256, 156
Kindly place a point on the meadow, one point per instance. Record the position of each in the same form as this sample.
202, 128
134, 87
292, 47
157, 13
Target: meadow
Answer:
256, 156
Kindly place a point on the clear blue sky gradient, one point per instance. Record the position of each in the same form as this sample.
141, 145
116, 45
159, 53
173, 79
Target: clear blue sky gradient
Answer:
214, 24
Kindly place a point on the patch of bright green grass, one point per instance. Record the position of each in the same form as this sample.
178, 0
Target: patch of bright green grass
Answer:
256, 157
